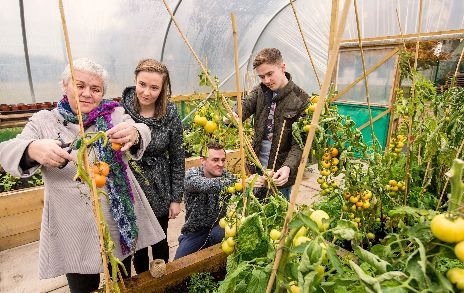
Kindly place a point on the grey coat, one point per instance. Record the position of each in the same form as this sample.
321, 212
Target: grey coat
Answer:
163, 162
69, 241
205, 199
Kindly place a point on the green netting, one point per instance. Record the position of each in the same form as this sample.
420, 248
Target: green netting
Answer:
360, 115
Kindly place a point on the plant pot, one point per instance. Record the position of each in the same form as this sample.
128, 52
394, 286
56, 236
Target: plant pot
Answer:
14, 107
23, 107
5, 107
33, 106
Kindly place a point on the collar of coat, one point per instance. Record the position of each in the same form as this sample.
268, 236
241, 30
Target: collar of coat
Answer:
282, 92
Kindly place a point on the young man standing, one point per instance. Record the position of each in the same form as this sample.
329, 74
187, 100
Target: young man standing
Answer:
204, 203
277, 99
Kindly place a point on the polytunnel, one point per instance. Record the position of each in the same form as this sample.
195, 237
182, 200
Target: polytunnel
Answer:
118, 33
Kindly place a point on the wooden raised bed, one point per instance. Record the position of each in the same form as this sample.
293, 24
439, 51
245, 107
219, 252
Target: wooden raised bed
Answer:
21, 210
211, 259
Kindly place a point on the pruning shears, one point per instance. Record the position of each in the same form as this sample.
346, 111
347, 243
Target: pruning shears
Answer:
73, 145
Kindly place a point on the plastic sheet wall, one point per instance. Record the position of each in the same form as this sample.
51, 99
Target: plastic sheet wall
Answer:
117, 33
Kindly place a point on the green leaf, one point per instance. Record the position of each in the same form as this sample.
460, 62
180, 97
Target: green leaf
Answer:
395, 275
370, 282
345, 230
333, 258
258, 281
311, 256
372, 259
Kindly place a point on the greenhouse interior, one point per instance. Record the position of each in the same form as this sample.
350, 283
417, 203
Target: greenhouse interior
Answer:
326, 139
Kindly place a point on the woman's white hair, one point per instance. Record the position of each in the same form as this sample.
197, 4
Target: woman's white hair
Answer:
85, 65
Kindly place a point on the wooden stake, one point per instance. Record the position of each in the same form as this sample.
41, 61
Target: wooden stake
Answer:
333, 23
305, 44
95, 197
278, 145
239, 109
459, 63
309, 140
358, 27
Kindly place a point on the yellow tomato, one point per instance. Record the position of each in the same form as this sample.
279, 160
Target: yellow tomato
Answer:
314, 99
231, 189
455, 274
231, 214
301, 232
294, 289
306, 128
366, 205
334, 152
446, 229
300, 240
231, 231
238, 186
275, 234
459, 250
318, 216
326, 157
200, 120
325, 164
311, 108
222, 223
210, 126
392, 182
335, 161
227, 248
230, 241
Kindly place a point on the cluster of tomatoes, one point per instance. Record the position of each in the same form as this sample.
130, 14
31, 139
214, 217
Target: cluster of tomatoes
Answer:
394, 186
230, 223
397, 143
309, 111
450, 229
236, 187
208, 125
327, 167
100, 170
357, 202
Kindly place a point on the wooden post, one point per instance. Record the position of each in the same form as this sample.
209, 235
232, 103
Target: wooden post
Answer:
95, 196
239, 108
309, 140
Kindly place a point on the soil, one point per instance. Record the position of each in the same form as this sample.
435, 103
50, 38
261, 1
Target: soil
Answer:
183, 287
19, 184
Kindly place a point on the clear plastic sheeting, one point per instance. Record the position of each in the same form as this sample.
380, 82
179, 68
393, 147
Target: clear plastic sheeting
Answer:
115, 33
380, 81
118, 33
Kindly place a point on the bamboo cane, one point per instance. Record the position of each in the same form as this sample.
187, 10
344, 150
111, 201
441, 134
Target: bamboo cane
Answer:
95, 197
305, 44
459, 63
278, 145
411, 118
309, 140
239, 109
371, 123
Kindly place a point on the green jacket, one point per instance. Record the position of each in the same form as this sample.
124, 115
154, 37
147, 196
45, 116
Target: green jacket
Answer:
291, 101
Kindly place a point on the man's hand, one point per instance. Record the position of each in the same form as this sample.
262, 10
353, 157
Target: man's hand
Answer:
174, 210
281, 176
260, 180
227, 120
48, 152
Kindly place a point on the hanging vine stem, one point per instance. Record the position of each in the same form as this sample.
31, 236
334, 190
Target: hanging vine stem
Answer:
358, 27
215, 88
305, 44
309, 140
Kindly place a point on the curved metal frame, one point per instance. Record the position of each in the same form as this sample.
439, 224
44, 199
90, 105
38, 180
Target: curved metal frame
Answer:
167, 30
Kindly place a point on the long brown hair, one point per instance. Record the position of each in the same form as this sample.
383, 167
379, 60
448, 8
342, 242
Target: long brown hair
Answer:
151, 65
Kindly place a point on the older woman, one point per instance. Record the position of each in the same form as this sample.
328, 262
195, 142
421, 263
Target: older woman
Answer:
161, 172
69, 242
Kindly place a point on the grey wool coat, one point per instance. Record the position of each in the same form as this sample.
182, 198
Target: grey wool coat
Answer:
162, 166
69, 241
